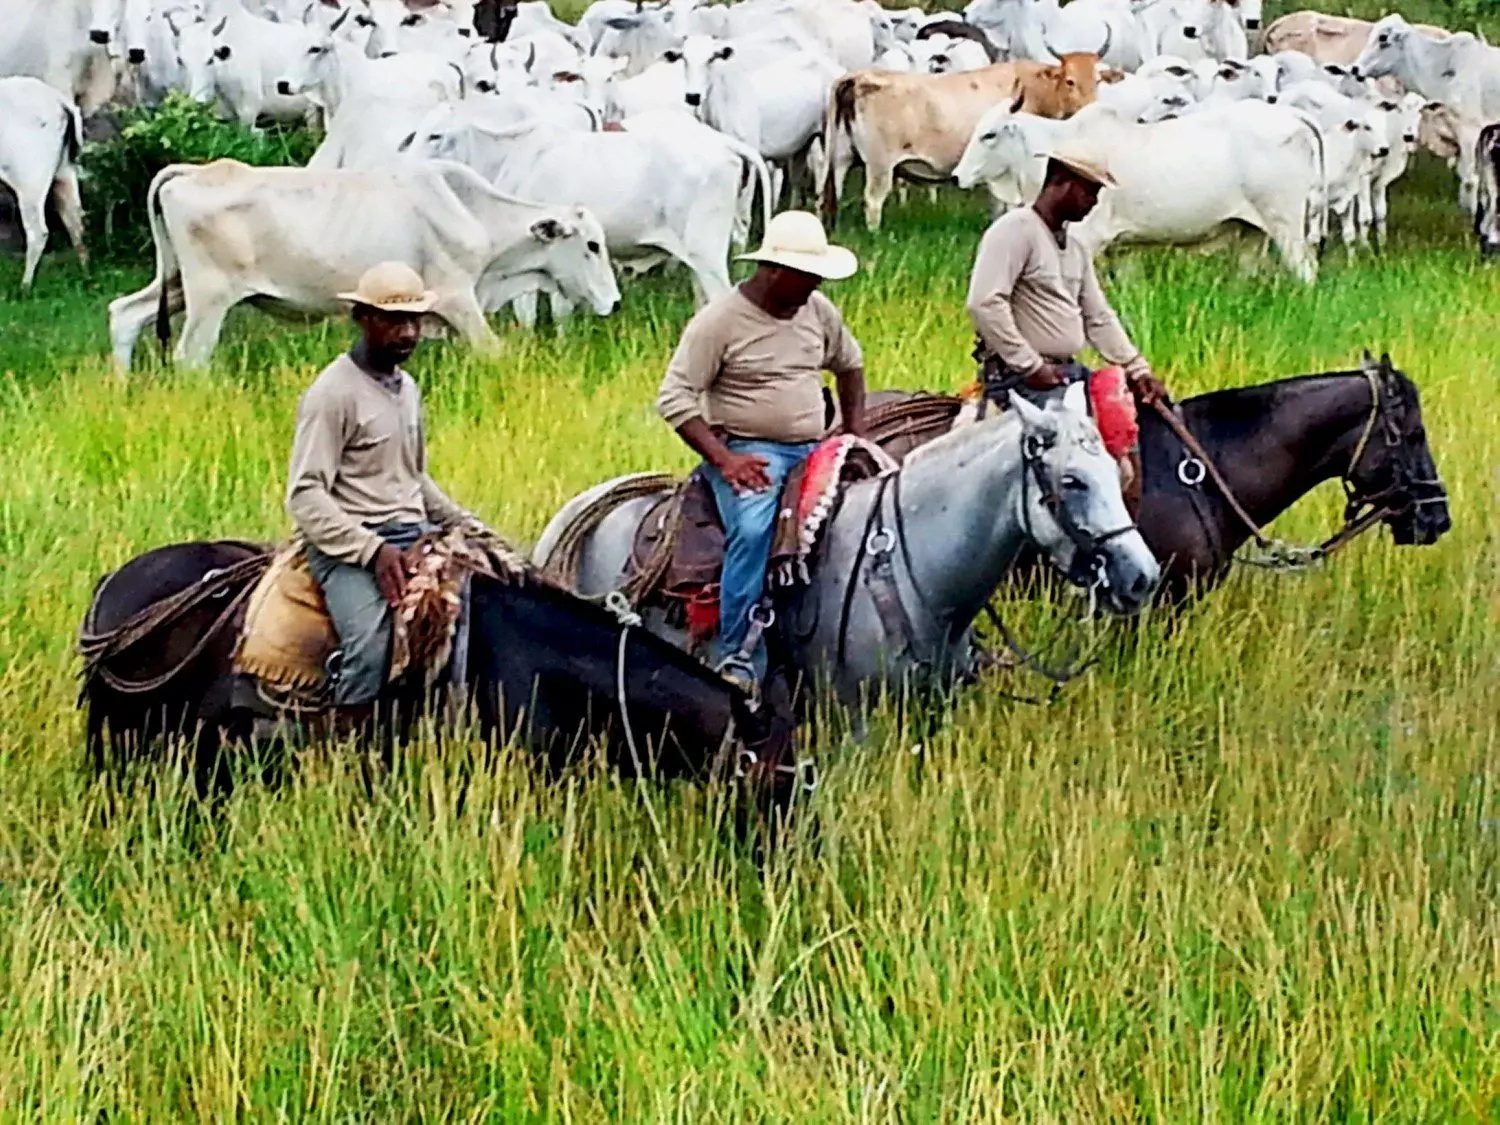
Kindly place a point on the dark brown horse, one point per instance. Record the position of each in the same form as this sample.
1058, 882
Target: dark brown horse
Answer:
1273, 444
543, 666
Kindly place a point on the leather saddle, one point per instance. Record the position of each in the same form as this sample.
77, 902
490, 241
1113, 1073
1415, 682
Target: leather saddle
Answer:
678, 552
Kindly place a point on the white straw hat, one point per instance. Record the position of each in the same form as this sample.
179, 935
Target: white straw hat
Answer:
392, 287
796, 239
1087, 164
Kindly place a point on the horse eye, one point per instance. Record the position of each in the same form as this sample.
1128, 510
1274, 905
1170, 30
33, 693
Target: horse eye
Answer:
1074, 484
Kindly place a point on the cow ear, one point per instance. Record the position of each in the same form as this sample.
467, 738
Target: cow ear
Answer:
550, 230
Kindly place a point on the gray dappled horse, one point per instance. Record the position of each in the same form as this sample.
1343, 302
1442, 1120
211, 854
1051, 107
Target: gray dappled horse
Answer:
909, 559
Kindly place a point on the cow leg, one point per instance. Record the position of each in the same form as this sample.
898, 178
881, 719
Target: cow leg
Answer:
69, 204
562, 311
131, 313
461, 312
31, 206
1379, 206
878, 179
204, 323
1291, 242
524, 308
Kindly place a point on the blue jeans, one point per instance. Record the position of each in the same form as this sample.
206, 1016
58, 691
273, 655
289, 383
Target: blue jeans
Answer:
749, 526
360, 615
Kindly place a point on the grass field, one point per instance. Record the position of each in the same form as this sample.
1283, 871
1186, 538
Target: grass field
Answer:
1246, 869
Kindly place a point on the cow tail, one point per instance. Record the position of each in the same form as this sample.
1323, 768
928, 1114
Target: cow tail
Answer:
839, 119
72, 133
166, 260
1315, 215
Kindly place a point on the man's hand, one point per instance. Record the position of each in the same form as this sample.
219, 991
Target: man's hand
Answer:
390, 574
744, 472
1148, 388
1047, 377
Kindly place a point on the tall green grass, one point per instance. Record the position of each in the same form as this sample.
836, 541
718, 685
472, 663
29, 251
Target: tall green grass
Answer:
1246, 869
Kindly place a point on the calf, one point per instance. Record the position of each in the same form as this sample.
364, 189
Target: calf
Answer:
920, 123
41, 133
293, 239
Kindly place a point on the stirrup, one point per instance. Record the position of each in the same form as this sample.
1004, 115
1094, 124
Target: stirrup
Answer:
739, 670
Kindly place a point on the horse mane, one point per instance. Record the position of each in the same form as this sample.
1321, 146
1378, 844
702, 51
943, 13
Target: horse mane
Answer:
1239, 412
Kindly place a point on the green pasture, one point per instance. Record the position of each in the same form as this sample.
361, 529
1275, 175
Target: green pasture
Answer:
1246, 869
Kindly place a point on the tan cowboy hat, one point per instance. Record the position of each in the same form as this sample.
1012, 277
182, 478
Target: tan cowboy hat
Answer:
392, 287
1084, 163
796, 239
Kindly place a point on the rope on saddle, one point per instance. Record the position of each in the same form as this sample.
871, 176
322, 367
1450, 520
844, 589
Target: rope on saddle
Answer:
562, 564
97, 648
923, 416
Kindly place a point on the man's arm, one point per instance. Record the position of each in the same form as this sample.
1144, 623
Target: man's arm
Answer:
316, 448
693, 368
1002, 258
1103, 330
843, 357
851, 388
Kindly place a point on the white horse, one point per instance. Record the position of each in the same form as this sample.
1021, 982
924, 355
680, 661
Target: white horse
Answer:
909, 559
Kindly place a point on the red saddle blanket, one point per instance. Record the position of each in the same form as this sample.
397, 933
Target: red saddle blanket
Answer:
1114, 410
679, 547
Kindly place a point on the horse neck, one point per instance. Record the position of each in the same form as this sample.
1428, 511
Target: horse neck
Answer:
1308, 436
960, 503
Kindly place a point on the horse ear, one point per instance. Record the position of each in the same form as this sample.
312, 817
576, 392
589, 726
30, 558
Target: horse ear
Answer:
1385, 360
1033, 418
1075, 399
1368, 361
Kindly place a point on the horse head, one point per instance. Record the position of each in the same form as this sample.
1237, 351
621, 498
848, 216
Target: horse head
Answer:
1392, 466
1072, 506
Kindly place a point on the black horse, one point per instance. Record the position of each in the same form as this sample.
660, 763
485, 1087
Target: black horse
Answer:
543, 665
1273, 444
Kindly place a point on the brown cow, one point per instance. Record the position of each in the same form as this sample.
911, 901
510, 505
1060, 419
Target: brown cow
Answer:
1329, 39
920, 123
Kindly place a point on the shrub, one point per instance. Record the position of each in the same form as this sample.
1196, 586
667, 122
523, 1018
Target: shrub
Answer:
117, 172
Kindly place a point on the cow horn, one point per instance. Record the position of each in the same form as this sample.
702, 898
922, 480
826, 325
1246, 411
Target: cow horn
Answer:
1108, 34
1048, 47
530, 59
220, 29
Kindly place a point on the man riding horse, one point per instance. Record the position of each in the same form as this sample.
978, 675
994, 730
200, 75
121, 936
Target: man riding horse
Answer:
1035, 301
358, 488
744, 390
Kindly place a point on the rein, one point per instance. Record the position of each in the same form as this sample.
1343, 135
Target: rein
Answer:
1280, 555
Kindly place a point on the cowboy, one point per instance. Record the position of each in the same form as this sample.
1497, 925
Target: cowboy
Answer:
359, 492
1035, 300
745, 391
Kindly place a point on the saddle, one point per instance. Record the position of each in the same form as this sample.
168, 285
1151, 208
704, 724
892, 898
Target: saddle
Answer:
678, 552
288, 640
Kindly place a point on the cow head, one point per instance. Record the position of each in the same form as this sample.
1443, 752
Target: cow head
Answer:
1061, 89
194, 43
572, 251
1384, 52
311, 71
702, 58
640, 37
1251, 15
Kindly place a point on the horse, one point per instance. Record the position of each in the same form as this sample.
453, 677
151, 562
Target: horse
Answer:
1272, 443
908, 559
542, 665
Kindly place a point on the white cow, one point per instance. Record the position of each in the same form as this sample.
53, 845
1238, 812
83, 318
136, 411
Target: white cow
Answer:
65, 43
1354, 141
1043, 31
292, 239
251, 55
1402, 118
1180, 181
1460, 71
1008, 155
331, 72
41, 133
776, 107
1193, 29
659, 194
178, 54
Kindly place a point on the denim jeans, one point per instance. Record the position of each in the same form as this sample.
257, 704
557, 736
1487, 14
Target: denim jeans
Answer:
360, 615
749, 526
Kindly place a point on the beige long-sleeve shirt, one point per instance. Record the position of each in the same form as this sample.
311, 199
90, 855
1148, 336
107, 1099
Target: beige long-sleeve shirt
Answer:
359, 459
1032, 301
756, 375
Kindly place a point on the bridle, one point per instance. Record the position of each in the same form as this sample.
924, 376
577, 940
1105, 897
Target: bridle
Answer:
1087, 567
1362, 510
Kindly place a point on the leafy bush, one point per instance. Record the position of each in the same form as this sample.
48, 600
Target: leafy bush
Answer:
117, 172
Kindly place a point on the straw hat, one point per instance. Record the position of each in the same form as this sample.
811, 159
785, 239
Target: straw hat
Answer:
1084, 163
392, 287
796, 239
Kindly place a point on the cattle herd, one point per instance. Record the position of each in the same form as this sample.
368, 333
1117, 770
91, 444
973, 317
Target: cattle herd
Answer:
514, 156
